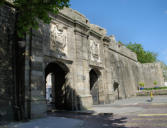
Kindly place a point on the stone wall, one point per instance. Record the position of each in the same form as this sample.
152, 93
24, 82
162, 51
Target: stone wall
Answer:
128, 72
164, 68
122, 66
151, 72
6, 84
75, 47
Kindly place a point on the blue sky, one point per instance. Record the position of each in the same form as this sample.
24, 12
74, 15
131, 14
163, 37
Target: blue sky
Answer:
140, 21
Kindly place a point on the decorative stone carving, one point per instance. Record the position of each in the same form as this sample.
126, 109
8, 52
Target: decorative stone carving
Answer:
94, 51
58, 38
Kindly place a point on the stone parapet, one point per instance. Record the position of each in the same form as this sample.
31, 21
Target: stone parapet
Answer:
78, 18
121, 49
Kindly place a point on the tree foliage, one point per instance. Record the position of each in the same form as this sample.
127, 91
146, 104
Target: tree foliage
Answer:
142, 55
155, 82
2, 1
119, 42
141, 84
31, 11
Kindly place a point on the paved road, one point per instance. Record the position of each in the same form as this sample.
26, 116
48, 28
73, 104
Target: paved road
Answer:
47, 122
136, 112
129, 113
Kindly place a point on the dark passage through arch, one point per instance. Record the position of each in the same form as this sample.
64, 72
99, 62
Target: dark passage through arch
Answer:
116, 89
94, 87
55, 76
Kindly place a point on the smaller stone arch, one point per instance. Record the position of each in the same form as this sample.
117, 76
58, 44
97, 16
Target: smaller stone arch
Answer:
94, 76
116, 90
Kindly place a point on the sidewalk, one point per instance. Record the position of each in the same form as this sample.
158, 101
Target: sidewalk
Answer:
130, 105
48, 122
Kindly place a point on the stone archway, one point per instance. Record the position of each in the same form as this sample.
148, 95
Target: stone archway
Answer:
56, 88
116, 90
94, 85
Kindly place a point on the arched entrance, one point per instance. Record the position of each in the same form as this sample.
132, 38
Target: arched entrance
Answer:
116, 90
94, 85
55, 76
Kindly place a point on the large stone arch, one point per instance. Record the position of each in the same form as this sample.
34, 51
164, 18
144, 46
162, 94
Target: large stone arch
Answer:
60, 89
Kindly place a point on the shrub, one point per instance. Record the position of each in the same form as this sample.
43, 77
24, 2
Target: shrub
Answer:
155, 83
141, 84
158, 88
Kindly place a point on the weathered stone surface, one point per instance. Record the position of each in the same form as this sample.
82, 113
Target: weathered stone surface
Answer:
151, 73
74, 48
6, 84
164, 67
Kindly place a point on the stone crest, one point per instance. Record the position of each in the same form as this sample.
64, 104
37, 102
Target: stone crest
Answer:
58, 38
94, 51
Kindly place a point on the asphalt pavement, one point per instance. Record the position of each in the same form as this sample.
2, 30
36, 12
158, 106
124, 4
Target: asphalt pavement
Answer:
136, 112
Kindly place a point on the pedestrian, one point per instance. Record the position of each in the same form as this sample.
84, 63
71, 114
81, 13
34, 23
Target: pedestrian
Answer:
151, 96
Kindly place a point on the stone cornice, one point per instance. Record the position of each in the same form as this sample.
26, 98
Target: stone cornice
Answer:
86, 26
122, 54
96, 33
96, 66
81, 33
58, 59
74, 21
107, 38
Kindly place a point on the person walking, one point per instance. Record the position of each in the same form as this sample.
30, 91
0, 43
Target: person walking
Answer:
151, 96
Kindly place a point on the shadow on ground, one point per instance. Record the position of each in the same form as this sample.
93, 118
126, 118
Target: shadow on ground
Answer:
102, 120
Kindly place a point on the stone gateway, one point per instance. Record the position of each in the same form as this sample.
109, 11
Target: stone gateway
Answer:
67, 64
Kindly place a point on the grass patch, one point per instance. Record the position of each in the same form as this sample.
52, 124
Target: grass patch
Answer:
155, 88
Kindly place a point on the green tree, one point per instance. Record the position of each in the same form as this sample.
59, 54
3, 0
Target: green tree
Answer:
29, 12
119, 42
1, 2
142, 55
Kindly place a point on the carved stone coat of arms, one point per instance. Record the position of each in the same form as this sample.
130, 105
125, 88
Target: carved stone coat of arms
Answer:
58, 38
94, 51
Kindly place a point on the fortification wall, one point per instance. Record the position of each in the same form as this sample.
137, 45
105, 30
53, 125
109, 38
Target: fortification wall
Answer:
151, 72
78, 47
7, 23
